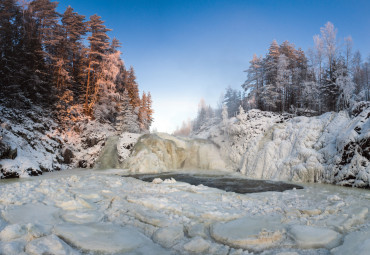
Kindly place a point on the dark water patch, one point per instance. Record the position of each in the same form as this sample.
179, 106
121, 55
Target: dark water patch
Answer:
226, 183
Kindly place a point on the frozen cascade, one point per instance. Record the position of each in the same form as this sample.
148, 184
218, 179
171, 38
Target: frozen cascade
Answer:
108, 158
162, 152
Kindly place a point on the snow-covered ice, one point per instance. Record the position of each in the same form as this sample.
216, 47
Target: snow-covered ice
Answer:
102, 212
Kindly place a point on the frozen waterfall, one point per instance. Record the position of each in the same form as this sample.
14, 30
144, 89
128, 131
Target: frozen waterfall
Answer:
108, 157
162, 152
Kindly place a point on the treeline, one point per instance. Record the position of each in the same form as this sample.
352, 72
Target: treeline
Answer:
330, 77
69, 63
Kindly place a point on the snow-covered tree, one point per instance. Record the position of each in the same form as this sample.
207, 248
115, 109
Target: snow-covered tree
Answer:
106, 85
127, 118
282, 81
99, 45
253, 84
232, 100
329, 37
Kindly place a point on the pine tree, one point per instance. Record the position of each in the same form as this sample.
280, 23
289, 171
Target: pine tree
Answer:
149, 110
108, 97
132, 88
74, 28
143, 118
232, 100
269, 92
98, 47
254, 84
127, 119
46, 18
10, 44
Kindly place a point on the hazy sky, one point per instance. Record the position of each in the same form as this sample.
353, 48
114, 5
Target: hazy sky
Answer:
186, 50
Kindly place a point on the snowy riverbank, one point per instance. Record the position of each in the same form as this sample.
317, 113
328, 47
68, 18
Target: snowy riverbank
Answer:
84, 211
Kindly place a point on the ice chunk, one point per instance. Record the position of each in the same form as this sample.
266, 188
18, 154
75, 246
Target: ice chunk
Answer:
197, 245
196, 230
12, 232
82, 217
310, 212
151, 217
287, 253
12, 248
358, 242
32, 213
168, 236
157, 181
343, 223
255, 233
75, 204
169, 181
49, 245
102, 238
309, 237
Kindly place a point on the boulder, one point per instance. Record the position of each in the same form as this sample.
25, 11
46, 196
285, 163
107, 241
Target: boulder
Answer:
8, 174
67, 155
33, 172
6, 152
82, 163
91, 141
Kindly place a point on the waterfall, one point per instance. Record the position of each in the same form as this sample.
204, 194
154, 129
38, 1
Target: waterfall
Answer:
108, 157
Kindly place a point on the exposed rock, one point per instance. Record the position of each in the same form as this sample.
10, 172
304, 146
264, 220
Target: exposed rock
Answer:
91, 141
82, 163
67, 155
34, 172
4, 150
8, 174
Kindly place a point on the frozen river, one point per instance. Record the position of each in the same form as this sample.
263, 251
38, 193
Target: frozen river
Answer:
101, 212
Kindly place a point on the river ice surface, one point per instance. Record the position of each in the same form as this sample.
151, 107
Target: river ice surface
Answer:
101, 212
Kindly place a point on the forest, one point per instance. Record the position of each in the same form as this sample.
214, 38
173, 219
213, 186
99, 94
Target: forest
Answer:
67, 65
330, 76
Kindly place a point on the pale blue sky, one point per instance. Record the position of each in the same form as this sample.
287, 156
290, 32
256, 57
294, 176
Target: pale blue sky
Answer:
183, 51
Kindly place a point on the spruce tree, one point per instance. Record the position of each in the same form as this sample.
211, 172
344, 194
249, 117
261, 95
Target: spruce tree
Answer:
99, 44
